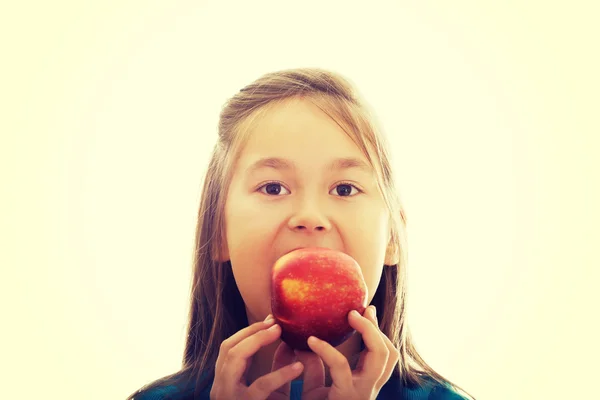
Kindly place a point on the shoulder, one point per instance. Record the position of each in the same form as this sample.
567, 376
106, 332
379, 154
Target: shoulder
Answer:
430, 390
445, 393
173, 387
157, 393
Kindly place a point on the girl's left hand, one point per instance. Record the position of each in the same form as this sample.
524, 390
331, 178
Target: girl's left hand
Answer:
374, 368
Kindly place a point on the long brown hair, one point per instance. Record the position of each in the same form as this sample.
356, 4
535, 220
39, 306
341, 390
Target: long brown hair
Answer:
217, 309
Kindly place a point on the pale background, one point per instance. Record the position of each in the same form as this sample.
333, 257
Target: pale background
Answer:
108, 114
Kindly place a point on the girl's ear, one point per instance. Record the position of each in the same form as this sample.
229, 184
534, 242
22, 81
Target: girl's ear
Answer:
392, 252
392, 256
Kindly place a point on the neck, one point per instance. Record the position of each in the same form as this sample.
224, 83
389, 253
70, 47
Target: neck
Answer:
262, 360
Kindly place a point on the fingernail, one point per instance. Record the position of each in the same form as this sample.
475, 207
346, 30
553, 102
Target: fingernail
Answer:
297, 366
273, 328
269, 319
354, 313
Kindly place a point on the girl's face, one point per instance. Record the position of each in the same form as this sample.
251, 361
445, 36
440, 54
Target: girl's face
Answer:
300, 181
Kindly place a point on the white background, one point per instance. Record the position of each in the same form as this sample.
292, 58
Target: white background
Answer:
109, 112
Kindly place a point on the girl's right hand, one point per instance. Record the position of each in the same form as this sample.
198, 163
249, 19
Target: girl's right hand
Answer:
234, 359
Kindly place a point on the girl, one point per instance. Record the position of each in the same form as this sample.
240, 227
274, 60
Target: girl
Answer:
298, 163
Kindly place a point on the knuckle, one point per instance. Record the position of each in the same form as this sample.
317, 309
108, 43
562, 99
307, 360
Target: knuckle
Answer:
232, 354
262, 385
224, 347
384, 353
340, 361
265, 334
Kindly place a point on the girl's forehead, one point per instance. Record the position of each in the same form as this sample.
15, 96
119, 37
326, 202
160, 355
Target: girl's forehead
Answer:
332, 165
297, 135
297, 127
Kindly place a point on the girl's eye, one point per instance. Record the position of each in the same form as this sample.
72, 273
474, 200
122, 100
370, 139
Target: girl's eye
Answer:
342, 190
272, 188
345, 190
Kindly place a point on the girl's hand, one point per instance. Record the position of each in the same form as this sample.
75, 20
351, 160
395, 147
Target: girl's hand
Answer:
374, 368
233, 362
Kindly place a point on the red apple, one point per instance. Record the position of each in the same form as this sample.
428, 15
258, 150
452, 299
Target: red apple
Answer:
312, 292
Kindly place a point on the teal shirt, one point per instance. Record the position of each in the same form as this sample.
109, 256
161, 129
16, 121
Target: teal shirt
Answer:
392, 390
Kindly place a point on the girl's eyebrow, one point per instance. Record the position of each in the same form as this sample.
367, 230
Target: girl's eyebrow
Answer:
284, 164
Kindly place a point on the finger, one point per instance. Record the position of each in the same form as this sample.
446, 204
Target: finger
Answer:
340, 371
393, 358
371, 315
394, 354
314, 370
267, 384
237, 357
377, 353
284, 355
237, 337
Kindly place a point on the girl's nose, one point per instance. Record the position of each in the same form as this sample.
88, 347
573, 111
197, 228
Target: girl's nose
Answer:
309, 228
309, 219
